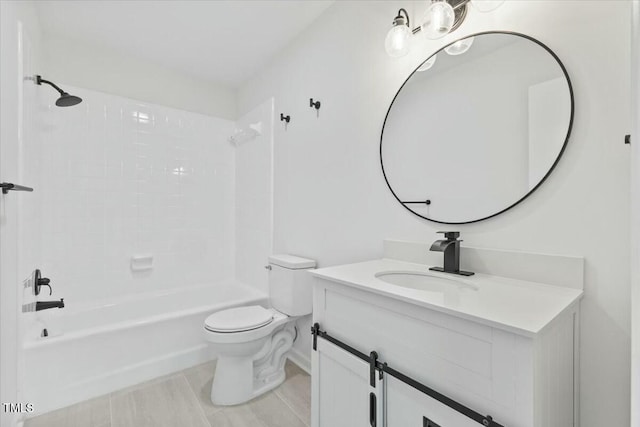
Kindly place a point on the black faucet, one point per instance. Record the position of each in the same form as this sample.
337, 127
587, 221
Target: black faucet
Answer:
45, 305
451, 248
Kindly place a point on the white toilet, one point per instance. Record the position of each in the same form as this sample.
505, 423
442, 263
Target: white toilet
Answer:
252, 342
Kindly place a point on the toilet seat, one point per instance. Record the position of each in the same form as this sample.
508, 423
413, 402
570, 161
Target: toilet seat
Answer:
239, 319
238, 337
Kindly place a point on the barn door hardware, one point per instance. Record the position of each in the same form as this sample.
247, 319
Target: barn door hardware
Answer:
384, 368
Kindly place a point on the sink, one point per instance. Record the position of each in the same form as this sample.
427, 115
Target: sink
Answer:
426, 282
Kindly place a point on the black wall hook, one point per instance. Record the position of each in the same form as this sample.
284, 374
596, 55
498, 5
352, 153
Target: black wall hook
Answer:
315, 105
284, 118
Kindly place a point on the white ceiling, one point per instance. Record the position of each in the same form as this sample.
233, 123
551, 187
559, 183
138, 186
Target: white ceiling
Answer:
222, 41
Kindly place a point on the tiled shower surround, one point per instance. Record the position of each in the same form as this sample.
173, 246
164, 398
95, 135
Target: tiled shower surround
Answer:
121, 178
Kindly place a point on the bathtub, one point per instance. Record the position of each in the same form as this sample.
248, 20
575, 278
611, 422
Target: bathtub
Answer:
102, 348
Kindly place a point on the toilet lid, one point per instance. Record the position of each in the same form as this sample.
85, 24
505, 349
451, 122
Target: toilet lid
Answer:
239, 319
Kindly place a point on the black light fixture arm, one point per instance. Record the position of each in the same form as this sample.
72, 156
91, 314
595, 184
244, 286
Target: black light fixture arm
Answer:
40, 80
400, 17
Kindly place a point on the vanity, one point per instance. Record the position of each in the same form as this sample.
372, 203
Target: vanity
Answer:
472, 132
502, 347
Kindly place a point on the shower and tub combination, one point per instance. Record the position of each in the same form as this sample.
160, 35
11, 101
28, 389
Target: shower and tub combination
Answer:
140, 257
94, 349
99, 348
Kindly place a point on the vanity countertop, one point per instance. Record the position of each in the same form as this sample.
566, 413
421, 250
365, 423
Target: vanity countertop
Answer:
517, 306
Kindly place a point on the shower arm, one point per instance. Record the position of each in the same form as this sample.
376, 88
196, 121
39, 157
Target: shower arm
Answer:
40, 80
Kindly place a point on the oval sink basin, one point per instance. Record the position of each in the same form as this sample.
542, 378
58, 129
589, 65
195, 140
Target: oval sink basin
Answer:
425, 281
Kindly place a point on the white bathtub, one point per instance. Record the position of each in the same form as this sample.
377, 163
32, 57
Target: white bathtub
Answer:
120, 343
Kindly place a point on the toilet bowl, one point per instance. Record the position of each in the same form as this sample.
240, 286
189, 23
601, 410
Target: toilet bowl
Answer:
252, 342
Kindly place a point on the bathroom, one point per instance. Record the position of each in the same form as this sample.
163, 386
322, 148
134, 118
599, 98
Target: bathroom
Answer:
225, 150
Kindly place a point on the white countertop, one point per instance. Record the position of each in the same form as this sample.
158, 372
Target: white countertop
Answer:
518, 306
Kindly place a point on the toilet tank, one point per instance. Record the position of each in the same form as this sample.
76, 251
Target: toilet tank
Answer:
290, 284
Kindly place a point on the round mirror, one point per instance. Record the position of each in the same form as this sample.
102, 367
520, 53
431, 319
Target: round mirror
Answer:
477, 127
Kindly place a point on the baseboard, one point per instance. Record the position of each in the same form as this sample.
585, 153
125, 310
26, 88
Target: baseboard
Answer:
300, 359
121, 378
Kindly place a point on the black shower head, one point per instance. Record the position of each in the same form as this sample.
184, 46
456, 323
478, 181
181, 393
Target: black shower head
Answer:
65, 99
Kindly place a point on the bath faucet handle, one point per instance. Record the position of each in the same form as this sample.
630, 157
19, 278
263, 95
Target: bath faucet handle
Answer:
451, 235
43, 282
39, 282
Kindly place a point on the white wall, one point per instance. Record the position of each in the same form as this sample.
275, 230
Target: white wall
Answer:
254, 198
19, 47
635, 217
125, 178
94, 67
332, 204
9, 208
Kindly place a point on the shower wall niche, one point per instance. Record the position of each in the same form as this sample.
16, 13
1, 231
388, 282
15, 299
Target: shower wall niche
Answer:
124, 179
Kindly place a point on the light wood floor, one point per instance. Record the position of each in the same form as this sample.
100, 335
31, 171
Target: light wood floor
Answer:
182, 400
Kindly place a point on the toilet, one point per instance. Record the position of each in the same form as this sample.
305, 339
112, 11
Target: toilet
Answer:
252, 342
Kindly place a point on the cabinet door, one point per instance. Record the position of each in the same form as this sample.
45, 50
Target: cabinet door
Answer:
342, 395
408, 407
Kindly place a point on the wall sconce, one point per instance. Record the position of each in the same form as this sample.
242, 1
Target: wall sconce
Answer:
397, 42
441, 18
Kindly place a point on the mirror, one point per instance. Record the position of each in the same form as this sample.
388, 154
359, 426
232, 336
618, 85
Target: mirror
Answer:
477, 128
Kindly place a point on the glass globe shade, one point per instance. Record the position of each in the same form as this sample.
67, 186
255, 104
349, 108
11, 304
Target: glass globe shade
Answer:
397, 42
428, 63
438, 20
486, 5
459, 47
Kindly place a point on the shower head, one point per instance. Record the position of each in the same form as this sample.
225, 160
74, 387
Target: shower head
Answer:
65, 99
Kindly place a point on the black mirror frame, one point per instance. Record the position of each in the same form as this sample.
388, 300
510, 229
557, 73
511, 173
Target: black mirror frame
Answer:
555, 163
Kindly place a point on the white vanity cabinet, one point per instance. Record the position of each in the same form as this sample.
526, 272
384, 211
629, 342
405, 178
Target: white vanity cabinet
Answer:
521, 376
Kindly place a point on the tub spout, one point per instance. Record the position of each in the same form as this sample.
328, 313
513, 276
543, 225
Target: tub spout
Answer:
45, 305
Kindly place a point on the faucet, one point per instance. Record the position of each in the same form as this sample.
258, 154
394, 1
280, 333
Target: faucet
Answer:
44, 305
451, 248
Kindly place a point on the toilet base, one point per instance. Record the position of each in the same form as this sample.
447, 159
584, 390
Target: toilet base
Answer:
269, 385
238, 379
